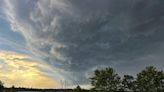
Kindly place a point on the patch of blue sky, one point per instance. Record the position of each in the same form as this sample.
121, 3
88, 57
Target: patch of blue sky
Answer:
10, 40
6, 32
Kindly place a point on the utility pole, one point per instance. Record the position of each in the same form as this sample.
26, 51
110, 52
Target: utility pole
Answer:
63, 85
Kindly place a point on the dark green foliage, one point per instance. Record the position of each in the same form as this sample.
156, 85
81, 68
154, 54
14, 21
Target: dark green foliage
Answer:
106, 80
150, 80
128, 83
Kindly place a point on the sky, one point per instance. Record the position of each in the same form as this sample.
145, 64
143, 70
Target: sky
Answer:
46, 43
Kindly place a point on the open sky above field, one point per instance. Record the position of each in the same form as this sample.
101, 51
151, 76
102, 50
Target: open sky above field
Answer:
46, 42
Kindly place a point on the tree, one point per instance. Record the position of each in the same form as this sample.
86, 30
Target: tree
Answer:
1, 86
13, 89
78, 89
128, 83
150, 80
106, 80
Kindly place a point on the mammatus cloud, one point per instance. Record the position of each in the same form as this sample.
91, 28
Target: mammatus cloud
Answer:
19, 70
78, 36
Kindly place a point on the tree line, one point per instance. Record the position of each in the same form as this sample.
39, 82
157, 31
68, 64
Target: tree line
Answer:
107, 80
3, 89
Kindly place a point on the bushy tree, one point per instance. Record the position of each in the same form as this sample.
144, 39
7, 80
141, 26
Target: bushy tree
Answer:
128, 83
150, 80
106, 80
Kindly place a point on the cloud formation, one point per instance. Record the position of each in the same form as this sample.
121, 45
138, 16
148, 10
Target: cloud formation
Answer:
19, 70
76, 36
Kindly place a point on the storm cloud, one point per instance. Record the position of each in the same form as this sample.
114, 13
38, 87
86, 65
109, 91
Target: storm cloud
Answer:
78, 36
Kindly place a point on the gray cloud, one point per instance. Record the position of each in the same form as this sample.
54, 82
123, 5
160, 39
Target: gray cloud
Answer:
77, 36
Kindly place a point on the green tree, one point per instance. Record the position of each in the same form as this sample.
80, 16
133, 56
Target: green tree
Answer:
106, 80
1, 86
150, 80
128, 83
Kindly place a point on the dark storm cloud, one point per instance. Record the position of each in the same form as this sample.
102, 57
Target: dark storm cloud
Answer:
77, 36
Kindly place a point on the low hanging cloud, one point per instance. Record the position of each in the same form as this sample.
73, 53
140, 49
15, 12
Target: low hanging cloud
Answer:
77, 36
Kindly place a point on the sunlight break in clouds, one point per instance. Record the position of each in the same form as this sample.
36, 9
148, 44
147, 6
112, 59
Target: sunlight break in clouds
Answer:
19, 70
